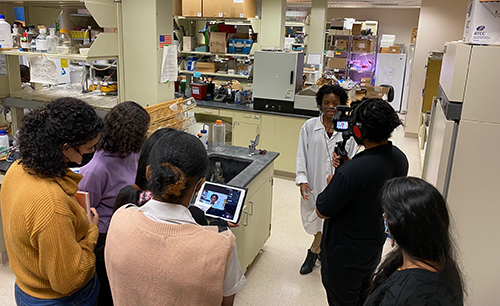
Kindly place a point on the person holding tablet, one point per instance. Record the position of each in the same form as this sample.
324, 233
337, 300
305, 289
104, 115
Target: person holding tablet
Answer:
169, 240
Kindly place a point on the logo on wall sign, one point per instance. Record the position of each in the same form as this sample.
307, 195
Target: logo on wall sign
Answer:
480, 31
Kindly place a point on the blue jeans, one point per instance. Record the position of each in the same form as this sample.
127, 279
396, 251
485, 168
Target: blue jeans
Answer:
87, 296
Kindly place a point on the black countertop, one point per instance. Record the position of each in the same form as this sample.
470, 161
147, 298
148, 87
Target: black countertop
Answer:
259, 163
244, 108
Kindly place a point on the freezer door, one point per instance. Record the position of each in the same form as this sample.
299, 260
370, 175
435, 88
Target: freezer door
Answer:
454, 70
473, 200
391, 71
275, 75
481, 93
438, 149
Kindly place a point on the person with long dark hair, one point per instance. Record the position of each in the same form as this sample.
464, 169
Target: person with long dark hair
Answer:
50, 238
113, 167
157, 254
422, 268
316, 161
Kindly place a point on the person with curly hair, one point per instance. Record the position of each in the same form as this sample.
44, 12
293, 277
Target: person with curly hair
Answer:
113, 167
353, 232
180, 262
50, 239
316, 161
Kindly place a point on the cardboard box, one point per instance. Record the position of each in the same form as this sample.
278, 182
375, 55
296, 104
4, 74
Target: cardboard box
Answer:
414, 32
189, 43
363, 82
177, 8
207, 67
240, 8
482, 25
192, 8
363, 45
336, 63
356, 28
213, 8
341, 45
218, 42
391, 49
377, 92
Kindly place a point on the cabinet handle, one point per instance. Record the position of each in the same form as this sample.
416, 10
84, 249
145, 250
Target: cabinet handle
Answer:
246, 222
251, 211
208, 111
247, 116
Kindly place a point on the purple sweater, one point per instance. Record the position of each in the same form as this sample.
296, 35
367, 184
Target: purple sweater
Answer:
103, 177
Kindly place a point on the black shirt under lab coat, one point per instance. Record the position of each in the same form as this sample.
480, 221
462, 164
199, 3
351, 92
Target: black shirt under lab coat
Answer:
353, 235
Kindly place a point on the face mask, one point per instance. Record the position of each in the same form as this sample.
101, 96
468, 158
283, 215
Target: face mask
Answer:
86, 158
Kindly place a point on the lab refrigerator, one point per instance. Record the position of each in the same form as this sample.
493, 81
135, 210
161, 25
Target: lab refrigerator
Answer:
461, 160
277, 77
391, 70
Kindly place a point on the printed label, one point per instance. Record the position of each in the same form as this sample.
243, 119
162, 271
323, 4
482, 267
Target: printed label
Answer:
220, 14
199, 14
242, 15
64, 63
196, 91
238, 1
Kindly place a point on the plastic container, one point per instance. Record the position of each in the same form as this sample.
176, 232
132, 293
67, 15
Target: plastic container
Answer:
237, 97
16, 37
219, 135
41, 41
204, 137
4, 142
199, 91
5, 34
65, 39
240, 46
52, 42
25, 44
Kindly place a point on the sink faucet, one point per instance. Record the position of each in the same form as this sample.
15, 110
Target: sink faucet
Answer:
253, 144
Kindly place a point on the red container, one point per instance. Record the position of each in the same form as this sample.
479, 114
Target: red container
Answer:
199, 91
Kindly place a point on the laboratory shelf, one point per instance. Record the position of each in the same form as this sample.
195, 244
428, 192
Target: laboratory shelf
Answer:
76, 57
31, 104
223, 75
220, 54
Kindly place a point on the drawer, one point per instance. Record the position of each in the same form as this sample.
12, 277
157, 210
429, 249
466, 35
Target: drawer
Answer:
206, 111
247, 118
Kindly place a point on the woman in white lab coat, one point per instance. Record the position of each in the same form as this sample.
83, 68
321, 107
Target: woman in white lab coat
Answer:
316, 161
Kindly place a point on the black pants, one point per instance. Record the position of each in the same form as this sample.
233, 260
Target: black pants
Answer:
346, 286
104, 298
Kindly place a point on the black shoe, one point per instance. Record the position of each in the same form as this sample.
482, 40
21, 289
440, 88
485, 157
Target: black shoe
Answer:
309, 263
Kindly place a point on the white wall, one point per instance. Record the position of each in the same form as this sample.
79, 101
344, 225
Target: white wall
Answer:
398, 22
440, 21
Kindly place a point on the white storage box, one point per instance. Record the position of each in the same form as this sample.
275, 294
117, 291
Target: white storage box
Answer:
482, 25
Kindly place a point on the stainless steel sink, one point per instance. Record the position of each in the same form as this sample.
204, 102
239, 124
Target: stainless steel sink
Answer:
231, 166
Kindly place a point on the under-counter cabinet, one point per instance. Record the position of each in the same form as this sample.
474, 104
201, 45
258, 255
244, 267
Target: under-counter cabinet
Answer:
255, 221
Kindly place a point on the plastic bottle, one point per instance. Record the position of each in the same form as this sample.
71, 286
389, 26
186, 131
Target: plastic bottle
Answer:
52, 42
25, 44
219, 135
41, 41
33, 45
16, 37
217, 175
5, 35
4, 142
204, 137
65, 39
237, 97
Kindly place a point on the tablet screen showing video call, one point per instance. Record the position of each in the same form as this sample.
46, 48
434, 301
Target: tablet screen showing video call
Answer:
221, 201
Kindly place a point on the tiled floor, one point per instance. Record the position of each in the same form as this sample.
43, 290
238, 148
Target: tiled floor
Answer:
273, 278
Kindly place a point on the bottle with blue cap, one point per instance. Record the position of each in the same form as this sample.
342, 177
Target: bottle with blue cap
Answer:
4, 142
5, 34
204, 136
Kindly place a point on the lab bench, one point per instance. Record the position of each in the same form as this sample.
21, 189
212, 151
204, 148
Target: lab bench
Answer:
279, 132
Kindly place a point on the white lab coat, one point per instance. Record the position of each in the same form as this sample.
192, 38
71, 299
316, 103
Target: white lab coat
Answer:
314, 165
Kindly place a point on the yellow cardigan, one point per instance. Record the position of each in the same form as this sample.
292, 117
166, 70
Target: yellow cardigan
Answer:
49, 240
